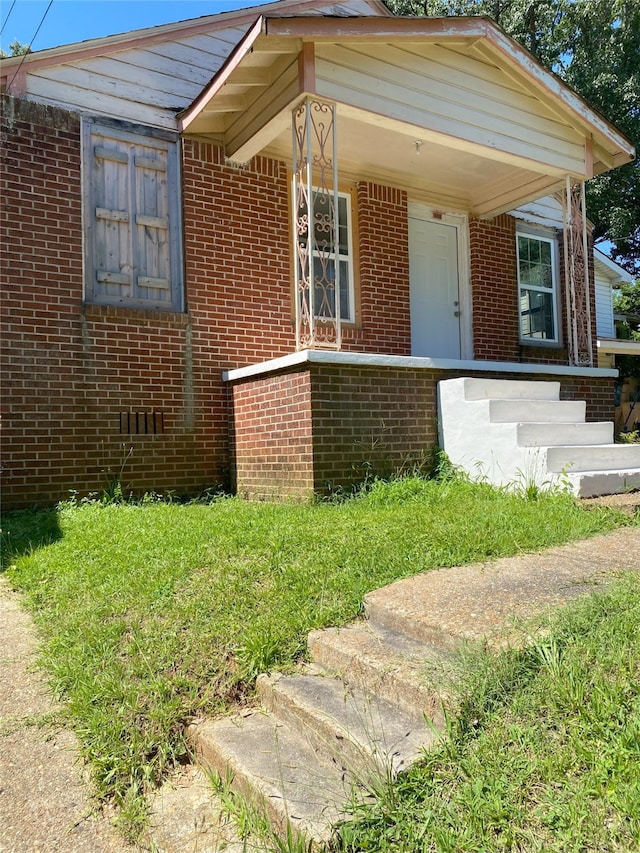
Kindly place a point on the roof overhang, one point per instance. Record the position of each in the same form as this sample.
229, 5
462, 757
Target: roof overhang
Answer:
496, 128
618, 346
610, 269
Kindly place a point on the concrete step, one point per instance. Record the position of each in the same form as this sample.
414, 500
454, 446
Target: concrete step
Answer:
387, 663
593, 484
600, 457
546, 434
508, 389
363, 735
186, 816
276, 770
478, 602
536, 411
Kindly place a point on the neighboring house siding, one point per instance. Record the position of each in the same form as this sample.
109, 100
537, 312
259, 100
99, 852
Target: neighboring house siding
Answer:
604, 308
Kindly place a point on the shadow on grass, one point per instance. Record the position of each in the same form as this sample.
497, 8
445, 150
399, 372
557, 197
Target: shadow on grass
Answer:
24, 531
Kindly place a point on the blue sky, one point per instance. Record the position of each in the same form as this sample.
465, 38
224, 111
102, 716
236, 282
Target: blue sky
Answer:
76, 20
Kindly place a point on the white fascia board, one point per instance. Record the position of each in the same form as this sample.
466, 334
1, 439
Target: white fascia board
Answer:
360, 359
617, 346
610, 269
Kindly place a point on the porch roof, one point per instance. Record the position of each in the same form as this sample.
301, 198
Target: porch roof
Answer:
495, 129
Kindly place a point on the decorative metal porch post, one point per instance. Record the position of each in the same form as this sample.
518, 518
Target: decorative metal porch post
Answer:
576, 274
316, 226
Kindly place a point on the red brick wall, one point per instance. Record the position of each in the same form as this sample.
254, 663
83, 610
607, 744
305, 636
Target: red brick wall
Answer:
69, 371
273, 442
384, 272
494, 293
364, 420
494, 290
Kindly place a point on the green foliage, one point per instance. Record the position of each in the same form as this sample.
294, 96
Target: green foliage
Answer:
627, 301
153, 613
16, 48
543, 755
594, 45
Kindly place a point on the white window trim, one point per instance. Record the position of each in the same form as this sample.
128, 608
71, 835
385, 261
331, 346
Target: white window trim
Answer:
349, 258
552, 238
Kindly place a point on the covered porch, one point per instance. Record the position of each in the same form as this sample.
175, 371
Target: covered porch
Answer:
448, 126
451, 113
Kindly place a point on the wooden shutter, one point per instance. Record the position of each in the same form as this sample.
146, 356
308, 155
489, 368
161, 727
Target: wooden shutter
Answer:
132, 210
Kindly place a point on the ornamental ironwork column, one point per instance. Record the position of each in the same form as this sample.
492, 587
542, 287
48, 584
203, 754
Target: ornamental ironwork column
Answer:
316, 226
576, 274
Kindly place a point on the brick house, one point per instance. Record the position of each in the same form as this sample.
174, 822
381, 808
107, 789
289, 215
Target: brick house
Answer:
157, 188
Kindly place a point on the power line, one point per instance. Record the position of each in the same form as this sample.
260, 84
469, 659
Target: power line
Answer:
7, 18
46, 12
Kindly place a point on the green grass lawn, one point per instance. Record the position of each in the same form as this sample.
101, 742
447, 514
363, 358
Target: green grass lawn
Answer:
152, 614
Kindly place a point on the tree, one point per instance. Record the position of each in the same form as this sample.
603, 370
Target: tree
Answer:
594, 46
627, 302
16, 48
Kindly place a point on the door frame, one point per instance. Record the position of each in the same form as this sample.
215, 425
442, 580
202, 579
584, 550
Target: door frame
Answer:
459, 221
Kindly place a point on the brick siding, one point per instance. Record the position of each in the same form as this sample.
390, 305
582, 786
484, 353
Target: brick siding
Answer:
273, 449
74, 373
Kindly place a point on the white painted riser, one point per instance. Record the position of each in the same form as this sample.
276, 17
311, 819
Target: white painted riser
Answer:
549, 435
536, 411
591, 484
601, 457
524, 434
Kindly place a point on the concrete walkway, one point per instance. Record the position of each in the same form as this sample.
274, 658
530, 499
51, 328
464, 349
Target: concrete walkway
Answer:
45, 803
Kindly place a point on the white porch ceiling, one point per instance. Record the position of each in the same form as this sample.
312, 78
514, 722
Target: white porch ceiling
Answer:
496, 128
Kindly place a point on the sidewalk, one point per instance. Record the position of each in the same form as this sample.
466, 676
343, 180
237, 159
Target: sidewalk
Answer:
45, 804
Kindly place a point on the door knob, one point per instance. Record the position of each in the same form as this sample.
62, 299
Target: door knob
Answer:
457, 313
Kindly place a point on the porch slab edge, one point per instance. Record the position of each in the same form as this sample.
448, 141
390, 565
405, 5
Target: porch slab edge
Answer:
360, 359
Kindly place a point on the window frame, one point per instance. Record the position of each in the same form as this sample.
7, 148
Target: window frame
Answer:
350, 195
125, 135
550, 238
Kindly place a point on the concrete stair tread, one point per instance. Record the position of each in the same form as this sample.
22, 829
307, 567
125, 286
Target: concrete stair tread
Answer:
491, 430
276, 769
361, 733
593, 457
385, 662
479, 602
508, 389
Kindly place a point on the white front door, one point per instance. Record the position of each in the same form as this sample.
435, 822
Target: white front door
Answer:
435, 294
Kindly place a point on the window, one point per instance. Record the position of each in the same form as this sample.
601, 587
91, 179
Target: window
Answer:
324, 271
132, 219
537, 282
